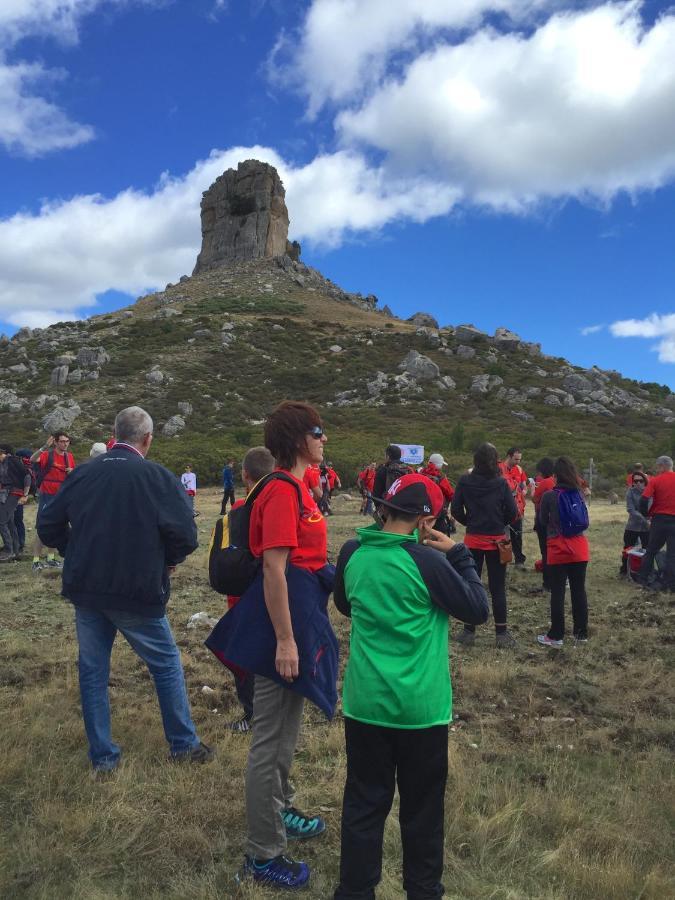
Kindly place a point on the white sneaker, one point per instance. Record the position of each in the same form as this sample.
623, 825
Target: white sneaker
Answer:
546, 641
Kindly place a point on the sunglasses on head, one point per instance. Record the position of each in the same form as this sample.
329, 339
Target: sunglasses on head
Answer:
316, 432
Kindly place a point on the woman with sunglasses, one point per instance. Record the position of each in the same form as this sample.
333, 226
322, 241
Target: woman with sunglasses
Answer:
637, 526
293, 650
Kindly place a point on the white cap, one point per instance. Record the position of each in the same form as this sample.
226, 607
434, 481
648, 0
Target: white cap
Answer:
97, 449
437, 460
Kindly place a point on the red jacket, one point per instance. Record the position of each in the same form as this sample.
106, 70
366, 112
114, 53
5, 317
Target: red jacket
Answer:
433, 472
517, 480
367, 479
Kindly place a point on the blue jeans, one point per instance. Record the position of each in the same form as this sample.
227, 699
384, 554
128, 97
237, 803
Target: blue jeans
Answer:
154, 643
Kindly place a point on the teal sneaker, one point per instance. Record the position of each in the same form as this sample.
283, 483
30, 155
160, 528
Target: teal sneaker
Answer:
300, 827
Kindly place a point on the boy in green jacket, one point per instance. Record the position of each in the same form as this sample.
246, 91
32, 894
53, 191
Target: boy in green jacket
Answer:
399, 582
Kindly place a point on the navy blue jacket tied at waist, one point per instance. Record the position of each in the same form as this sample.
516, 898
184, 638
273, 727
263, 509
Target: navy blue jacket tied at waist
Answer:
244, 638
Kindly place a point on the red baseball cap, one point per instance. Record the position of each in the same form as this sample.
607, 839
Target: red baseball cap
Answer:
414, 494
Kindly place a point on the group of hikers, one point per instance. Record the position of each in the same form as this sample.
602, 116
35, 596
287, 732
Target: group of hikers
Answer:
399, 580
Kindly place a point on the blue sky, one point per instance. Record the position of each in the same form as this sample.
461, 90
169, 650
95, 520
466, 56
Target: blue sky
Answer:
500, 162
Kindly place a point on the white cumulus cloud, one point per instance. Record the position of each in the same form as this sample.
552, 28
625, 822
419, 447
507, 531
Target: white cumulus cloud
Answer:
30, 124
584, 105
653, 326
345, 45
55, 262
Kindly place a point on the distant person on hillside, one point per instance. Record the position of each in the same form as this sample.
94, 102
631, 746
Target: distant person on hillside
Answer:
123, 507
389, 471
228, 486
312, 479
54, 463
516, 478
15, 482
257, 463
333, 479
661, 511
543, 481
637, 526
636, 468
366, 484
563, 514
324, 482
399, 594
189, 481
484, 503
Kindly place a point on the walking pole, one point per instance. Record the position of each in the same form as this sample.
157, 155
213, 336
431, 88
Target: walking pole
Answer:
590, 479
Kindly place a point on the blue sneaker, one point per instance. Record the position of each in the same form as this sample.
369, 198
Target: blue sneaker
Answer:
280, 872
300, 827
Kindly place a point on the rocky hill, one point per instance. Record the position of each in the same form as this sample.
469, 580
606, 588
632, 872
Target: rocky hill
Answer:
209, 356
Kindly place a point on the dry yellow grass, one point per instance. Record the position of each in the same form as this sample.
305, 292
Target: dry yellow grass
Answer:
560, 763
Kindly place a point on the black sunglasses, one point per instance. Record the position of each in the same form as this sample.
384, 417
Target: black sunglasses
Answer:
316, 432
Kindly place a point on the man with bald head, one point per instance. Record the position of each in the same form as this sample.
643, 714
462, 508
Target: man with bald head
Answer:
123, 524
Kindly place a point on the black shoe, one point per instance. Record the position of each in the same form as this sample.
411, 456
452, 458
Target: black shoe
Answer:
6, 557
199, 754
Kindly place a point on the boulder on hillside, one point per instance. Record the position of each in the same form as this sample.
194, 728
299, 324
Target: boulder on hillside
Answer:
59, 375
65, 359
18, 369
92, 357
468, 333
465, 352
244, 216
23, 334
506, 339
184, 408
432, 336
423, 318
577, 384
522, 415
173, 426
10, 400
61, 417
75, 377
419, 366
154, 377
446, 383
483, 384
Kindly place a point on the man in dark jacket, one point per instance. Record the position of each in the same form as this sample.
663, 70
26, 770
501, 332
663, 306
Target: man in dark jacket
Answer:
389, 471
15, 483
123, 524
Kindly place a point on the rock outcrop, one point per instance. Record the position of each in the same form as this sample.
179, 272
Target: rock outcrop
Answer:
244, 216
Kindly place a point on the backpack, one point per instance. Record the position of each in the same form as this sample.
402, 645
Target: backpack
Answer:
41, 474
572, 512
394, 472
232, 566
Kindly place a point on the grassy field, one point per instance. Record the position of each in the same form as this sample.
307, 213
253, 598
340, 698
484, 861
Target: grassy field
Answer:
561, 763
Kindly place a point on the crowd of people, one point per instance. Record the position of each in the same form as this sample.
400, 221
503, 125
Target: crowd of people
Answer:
399, 581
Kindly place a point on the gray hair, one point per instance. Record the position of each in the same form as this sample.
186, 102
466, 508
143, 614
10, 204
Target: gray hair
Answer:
132, 424
665, 461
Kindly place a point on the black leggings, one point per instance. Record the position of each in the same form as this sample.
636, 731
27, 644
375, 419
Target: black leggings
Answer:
496, 582
541, 537
559, 575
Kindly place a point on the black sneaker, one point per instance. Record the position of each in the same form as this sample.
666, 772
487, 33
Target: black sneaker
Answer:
199, 754
504, 640
466, 637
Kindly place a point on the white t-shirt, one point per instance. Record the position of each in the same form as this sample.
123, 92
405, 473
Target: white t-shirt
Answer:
189, 481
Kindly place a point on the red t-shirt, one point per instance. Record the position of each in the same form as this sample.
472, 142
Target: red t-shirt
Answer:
543, 485
482, 541
367, 479
312, 477
332, 478
55, 477
516, 479
275, 523
662, 489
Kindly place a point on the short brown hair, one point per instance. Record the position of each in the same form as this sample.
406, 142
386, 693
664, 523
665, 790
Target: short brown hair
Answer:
286, 430
257, 463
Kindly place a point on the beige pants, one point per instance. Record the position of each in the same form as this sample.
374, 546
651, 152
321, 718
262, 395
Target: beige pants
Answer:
277, 716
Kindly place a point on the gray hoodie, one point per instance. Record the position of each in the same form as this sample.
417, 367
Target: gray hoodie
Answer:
636, 521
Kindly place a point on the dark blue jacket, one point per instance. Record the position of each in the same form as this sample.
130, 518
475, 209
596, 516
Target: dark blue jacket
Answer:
120, 522
244, 638
228, 478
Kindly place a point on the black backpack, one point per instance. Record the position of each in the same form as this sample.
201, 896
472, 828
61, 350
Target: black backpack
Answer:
394, 472
232, 566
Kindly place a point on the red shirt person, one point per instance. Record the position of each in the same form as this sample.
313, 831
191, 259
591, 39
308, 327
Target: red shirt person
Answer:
658, 502
433, 470
55, 463
516, 478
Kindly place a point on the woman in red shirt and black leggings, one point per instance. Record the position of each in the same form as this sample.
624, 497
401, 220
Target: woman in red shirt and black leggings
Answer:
566, 559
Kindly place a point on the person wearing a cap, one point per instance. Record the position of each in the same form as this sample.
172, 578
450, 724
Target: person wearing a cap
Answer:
399, 581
